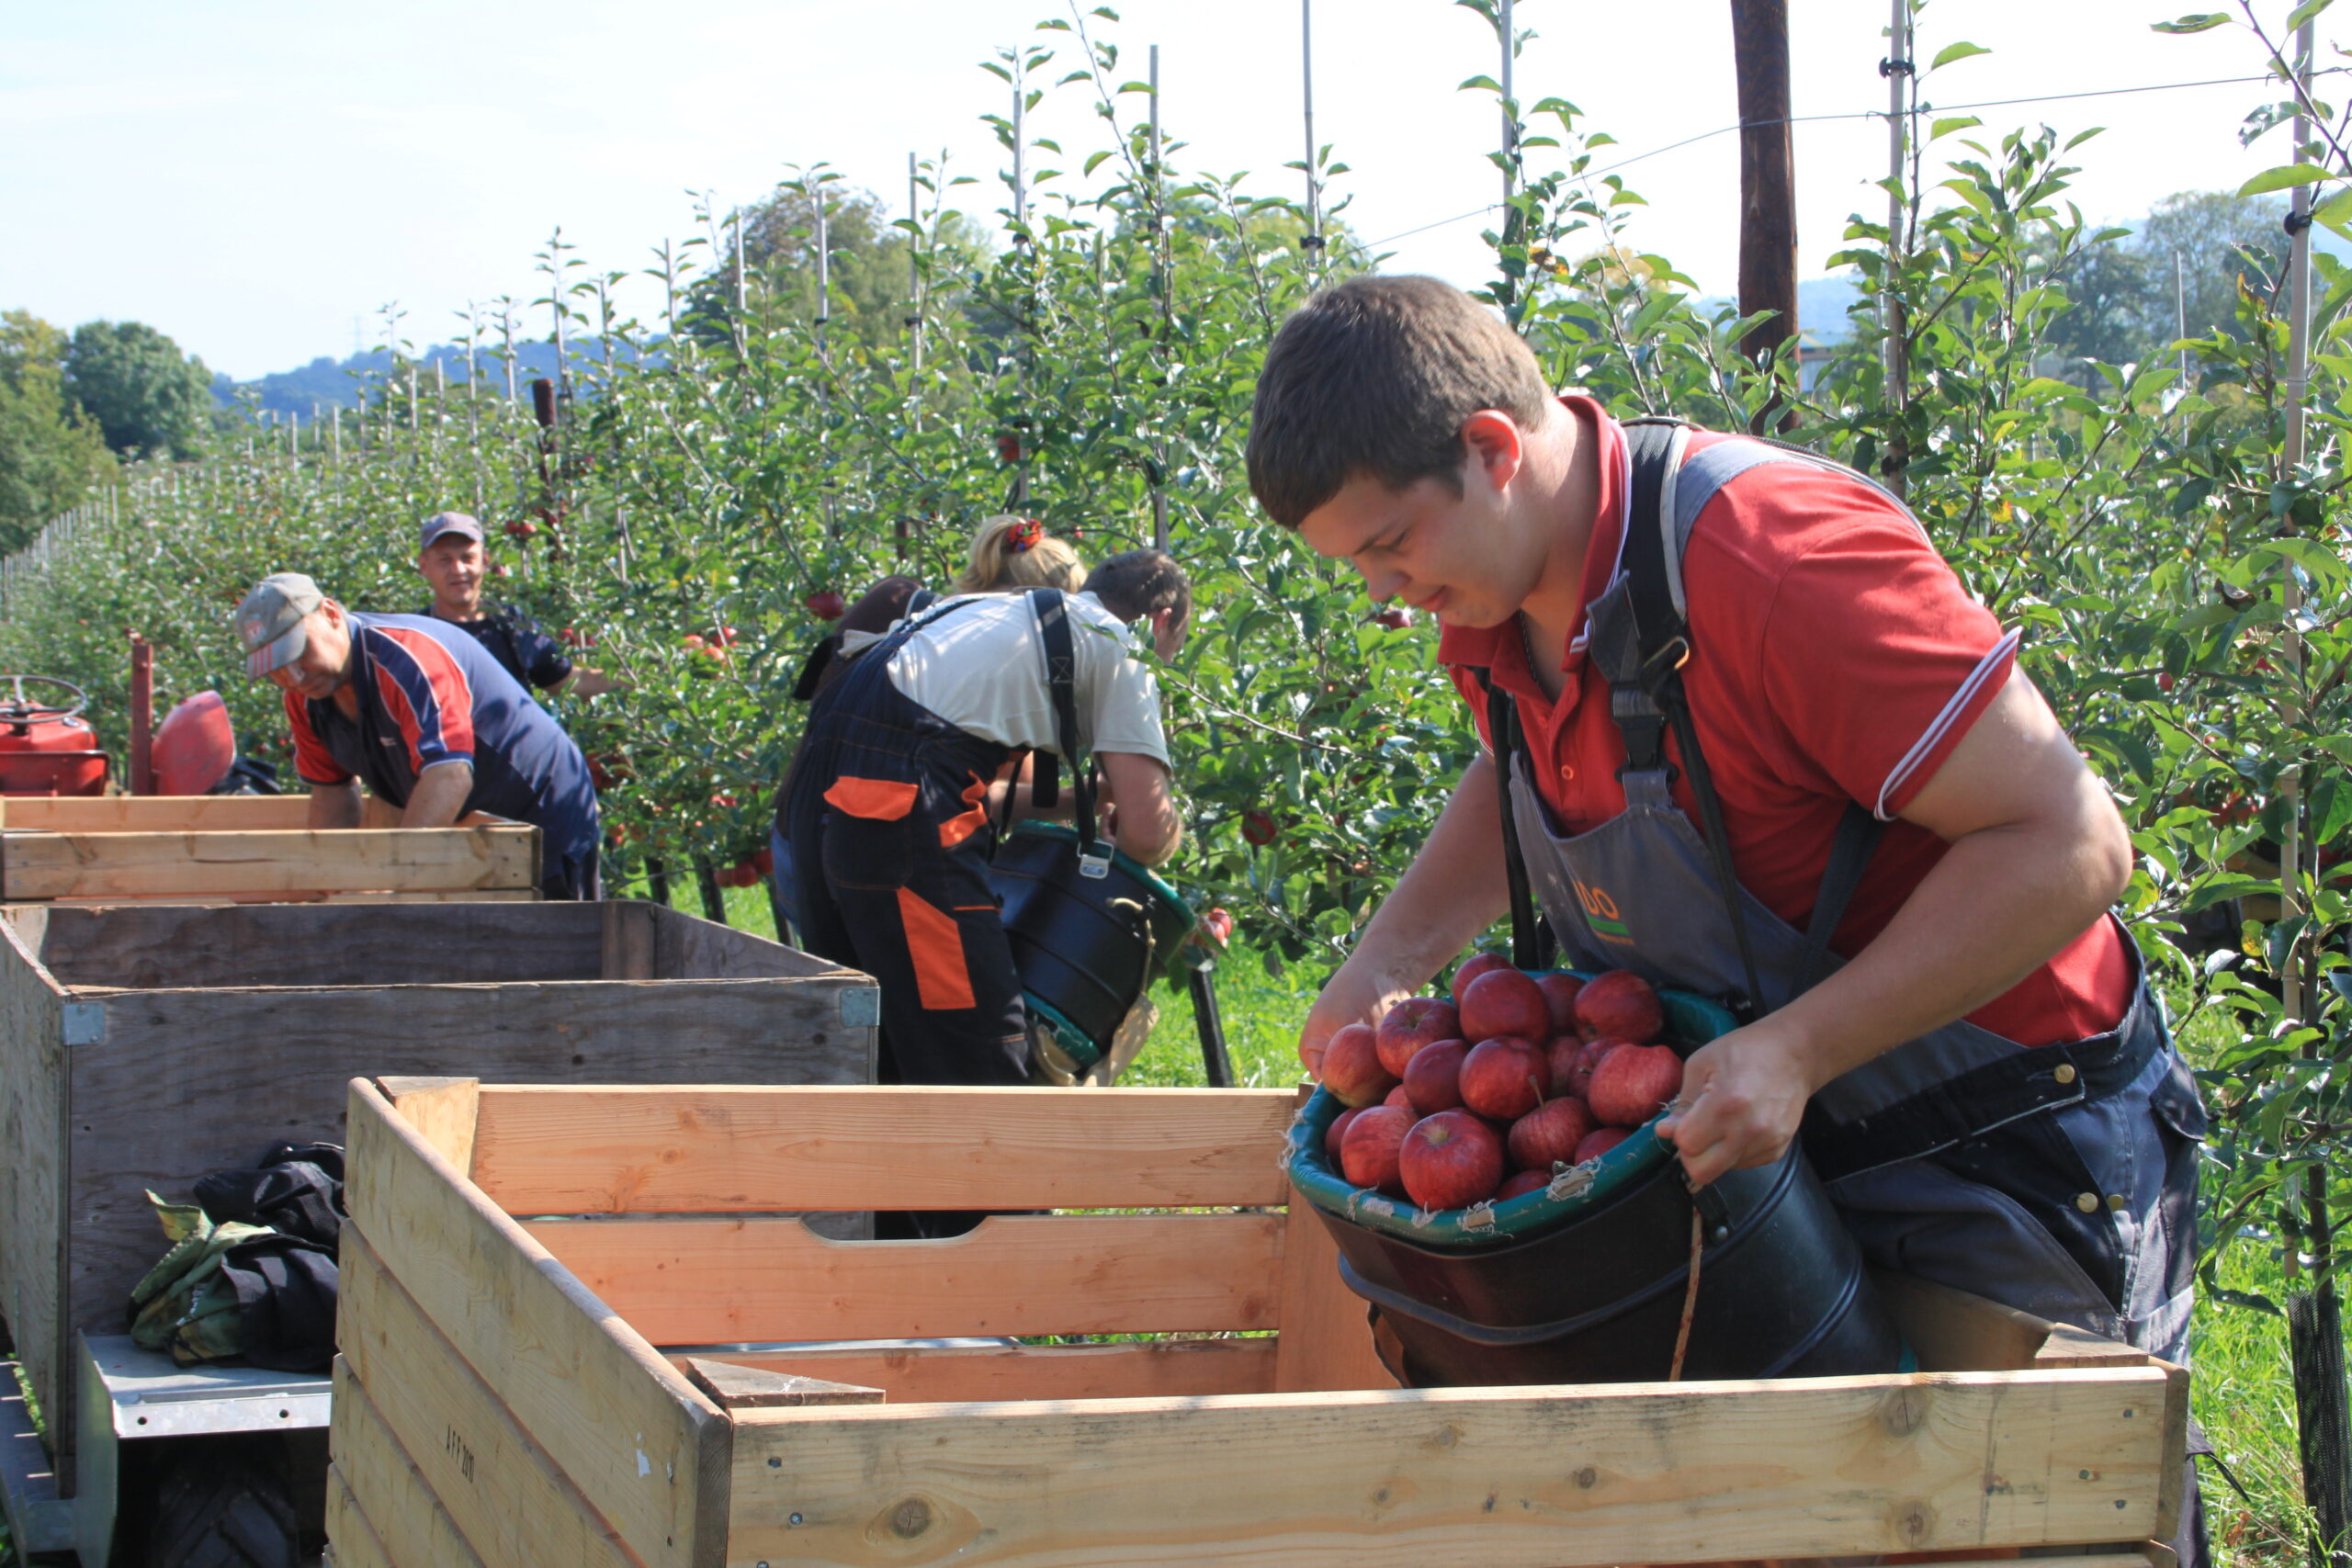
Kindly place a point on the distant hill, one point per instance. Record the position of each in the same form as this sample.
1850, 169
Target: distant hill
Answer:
326, 382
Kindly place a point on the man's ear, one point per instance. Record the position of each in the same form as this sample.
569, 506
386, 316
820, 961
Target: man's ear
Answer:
1497, 445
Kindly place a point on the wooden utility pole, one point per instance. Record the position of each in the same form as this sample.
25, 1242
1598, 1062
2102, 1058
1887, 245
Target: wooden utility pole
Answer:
1768, 208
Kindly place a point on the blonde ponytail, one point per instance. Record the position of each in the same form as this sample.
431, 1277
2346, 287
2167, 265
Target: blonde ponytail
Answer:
1010, 552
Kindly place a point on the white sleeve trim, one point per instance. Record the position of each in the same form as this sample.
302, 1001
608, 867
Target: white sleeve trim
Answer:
1934, 734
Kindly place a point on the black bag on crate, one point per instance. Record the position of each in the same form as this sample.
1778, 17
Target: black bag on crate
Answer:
251, 1270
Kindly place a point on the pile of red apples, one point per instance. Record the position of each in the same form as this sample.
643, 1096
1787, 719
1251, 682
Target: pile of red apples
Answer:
1493, 1093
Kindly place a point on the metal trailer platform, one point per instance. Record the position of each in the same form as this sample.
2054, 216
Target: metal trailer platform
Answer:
130, 1395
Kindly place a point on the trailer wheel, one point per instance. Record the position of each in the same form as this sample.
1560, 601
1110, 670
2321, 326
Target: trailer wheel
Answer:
225, 1503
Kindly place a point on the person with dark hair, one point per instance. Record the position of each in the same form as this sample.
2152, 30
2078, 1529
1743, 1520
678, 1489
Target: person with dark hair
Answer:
908, 768
1746, 734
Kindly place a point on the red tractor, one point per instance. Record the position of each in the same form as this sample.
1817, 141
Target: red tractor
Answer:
45, 746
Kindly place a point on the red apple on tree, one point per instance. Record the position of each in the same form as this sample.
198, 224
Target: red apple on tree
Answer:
1396, 617
1433, 1078
1351, 1068
1412, 1023
825, 605
1259, 828
1504, 1078
1368, 1154
1450, 1160
1218, 923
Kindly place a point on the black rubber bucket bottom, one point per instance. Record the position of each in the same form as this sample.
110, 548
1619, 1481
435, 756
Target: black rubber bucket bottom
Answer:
1782, 1289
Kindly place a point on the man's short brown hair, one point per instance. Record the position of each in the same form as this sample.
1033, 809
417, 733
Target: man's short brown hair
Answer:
1139, 582
1374, 376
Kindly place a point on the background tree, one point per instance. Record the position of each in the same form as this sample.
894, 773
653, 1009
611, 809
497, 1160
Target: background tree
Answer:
149, 398
2221, 238
51, 454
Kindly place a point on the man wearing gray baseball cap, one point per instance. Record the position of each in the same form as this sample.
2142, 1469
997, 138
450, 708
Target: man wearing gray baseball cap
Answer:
422, 714
454, 560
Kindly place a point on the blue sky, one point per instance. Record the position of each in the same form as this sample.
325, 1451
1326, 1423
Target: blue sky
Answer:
252, 176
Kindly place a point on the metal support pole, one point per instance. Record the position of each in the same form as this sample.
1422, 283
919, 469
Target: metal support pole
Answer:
1900, 77
1510, 121
1313, 243
914, 264
824, 269
1214, 1061
1019, 162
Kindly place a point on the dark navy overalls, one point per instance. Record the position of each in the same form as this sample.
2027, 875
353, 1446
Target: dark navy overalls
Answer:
2060, 1179
888, 822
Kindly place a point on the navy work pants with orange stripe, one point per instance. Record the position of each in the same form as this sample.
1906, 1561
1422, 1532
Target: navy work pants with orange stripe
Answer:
889, 821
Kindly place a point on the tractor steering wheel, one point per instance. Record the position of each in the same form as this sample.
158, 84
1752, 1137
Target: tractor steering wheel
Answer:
19, 709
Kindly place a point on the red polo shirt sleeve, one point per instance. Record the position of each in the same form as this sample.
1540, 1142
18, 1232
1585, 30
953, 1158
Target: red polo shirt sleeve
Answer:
1854, 640
312, 760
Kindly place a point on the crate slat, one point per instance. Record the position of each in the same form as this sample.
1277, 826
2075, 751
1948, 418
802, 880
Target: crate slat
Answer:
948, 1373
351, 1540
506, 1497
1508, 1478
688, 1281
96, 866
724, 1149
623, 1423
402, 1519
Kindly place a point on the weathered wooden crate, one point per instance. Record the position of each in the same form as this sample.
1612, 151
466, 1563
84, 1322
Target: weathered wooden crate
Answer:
126, 847
143, 1045
516, 1391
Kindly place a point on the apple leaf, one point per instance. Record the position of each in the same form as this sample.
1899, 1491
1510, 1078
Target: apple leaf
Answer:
2282, 177
1954, 51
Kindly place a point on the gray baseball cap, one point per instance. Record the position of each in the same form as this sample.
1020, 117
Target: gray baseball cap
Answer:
269, 620
442, 523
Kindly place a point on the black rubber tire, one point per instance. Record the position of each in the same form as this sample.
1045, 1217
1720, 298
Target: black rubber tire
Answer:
224, 1502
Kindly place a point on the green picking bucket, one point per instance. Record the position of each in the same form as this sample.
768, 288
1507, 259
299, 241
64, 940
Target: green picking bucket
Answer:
1088, 934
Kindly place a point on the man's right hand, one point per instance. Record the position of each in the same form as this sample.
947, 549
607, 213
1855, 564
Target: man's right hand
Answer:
1353, 995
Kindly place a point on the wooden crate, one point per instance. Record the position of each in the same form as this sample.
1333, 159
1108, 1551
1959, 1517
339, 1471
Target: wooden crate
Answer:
123, 847
143, 1045
520, 1390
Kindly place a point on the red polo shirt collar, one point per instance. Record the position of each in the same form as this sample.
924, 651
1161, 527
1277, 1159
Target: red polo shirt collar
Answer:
1502, 649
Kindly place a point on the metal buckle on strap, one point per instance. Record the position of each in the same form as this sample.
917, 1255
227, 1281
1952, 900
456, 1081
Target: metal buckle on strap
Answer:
1672, 657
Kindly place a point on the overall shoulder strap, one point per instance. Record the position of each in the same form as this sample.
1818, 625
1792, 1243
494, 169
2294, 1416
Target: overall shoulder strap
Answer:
1531, 942
1052, 610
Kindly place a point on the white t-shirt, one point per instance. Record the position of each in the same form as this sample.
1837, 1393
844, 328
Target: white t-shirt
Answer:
982, 669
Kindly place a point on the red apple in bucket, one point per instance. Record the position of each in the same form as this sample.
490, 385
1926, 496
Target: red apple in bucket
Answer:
1621, 1004
1504, 1078
1351, 1068
1560, 988
1549, 1134
1519, 1186
1635, 1083
1478, 964
1450, 1160
1368, 1155
1589, 1055
1335, 1133
1601, 1142
1412, 1023
1433, 1078
1504, 1001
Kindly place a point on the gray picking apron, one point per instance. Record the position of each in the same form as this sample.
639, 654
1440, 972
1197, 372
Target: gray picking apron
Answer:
2060, 1179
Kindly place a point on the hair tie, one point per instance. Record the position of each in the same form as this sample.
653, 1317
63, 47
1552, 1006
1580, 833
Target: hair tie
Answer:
1023, 536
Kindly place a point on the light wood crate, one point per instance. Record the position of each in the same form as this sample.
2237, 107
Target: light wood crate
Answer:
518, 1392
123, 848
143, 1045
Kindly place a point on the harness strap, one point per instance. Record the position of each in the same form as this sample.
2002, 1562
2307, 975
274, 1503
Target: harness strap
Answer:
1061, 680
1532, 944
1850, 856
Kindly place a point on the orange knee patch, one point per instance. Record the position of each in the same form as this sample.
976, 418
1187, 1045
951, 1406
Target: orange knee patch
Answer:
936, 945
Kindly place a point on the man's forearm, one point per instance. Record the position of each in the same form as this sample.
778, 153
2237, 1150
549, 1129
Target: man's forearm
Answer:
1454, 888
335, 805
439, 797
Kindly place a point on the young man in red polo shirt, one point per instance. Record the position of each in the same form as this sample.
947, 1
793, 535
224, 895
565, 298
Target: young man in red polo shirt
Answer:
1993, 1100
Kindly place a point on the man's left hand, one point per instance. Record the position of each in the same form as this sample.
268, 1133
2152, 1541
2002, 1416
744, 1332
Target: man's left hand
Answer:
1743, 1097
